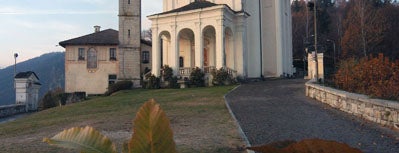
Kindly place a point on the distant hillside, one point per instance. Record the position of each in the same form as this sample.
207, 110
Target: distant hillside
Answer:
48, 67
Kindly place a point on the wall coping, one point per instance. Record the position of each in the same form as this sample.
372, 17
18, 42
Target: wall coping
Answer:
355, 96
12, 105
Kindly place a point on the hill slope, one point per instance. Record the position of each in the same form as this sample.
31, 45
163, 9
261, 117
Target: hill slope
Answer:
199, 119
48, 67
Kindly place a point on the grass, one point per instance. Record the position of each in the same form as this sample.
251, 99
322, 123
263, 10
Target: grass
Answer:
199, 119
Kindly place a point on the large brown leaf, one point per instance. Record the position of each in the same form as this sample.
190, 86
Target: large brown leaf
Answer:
152, 132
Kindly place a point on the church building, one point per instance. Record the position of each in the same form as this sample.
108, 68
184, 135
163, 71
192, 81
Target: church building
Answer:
251, 38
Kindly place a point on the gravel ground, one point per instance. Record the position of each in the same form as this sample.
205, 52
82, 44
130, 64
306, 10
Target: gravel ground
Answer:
277, 110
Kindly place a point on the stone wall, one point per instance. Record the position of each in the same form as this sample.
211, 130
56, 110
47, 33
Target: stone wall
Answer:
10, 110
383, 112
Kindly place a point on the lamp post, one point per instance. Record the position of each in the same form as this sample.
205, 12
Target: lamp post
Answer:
15, 66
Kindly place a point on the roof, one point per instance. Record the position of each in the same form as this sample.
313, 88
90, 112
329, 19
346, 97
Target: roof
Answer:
105, 37
192, 6
27, 74
198, 5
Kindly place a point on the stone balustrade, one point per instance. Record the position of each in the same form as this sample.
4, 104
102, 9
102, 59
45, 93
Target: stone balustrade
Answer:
383, 112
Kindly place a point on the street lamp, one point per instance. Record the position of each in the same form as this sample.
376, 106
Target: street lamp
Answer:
15, 66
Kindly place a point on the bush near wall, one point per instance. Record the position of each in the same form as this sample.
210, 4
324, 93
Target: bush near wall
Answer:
374, 76
153, 82
221, 77
120, 85
52, 98
197, 77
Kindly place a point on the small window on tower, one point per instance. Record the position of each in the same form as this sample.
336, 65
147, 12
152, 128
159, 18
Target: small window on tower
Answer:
128, 33
128, 1
112, 54
81, 54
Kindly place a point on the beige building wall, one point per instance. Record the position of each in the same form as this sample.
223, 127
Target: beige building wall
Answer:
78, 78
144, 48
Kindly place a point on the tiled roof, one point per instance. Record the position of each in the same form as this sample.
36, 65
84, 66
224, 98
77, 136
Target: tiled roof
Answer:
105, 37
191, 6
21, 75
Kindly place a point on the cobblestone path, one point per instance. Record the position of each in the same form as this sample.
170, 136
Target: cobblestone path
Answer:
278, 110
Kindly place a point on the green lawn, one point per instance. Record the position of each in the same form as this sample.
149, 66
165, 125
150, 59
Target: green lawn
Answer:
199, 118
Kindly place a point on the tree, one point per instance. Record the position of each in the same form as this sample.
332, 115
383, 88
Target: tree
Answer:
364, 28
146, 34
299, 27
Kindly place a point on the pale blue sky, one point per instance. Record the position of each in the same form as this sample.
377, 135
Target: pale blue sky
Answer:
34, 27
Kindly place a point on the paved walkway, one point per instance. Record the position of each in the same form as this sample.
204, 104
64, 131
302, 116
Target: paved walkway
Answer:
279, 110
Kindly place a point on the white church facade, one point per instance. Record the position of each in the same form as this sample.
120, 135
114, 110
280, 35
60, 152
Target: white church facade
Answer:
252, 38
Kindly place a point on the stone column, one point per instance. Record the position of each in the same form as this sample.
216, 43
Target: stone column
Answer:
174, 48
279, 38
220, 54
199, 46
240, 48
156, 52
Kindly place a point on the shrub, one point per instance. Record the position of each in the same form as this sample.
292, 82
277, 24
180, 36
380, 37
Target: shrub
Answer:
197, 77
168, 76
221, 77
167, 73
120, 85
153, 82
373, 76
52, 98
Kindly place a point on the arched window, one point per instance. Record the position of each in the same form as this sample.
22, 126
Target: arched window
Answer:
92, 59
181, 61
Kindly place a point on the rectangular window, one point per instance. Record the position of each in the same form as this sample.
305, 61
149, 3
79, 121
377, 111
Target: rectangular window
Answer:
112, 54
112, 79
146, 57
81, 54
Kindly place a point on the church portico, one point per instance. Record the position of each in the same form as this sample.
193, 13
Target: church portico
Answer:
202, 38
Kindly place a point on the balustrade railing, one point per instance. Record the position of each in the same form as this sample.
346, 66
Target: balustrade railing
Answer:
185, 71
230, 71
209, 69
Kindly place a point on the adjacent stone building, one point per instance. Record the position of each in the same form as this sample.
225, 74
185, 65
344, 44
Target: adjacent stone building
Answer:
252, 38
27, 88
94, 61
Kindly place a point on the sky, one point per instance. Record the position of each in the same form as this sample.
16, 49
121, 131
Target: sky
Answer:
35, 27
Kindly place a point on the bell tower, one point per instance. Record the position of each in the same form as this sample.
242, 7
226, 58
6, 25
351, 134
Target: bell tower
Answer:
129, 41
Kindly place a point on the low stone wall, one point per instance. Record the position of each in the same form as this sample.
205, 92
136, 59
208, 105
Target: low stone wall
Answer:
384, 112
10, 110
